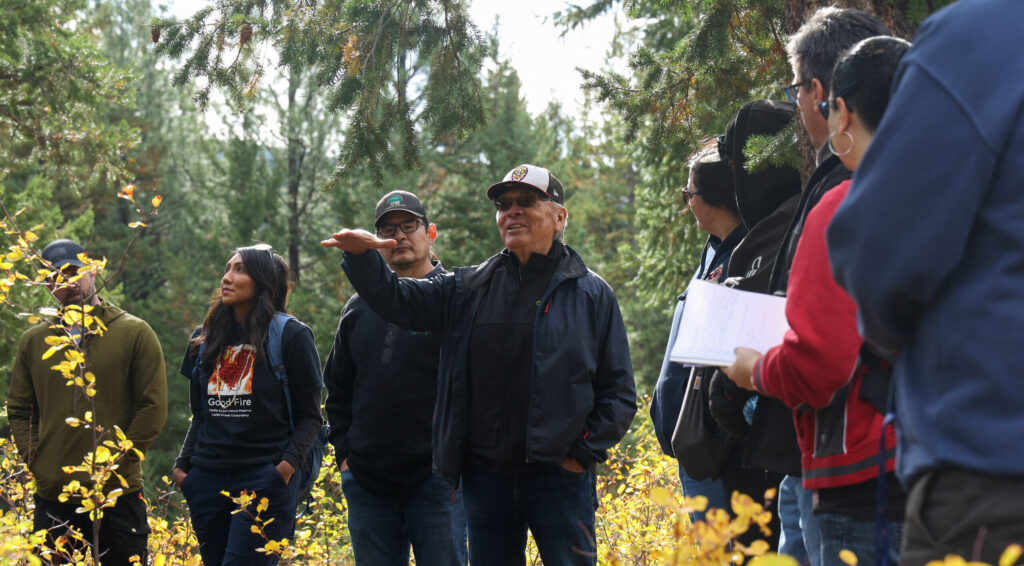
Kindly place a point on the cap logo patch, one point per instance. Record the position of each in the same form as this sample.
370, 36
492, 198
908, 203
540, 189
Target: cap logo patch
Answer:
394, 200
519, 172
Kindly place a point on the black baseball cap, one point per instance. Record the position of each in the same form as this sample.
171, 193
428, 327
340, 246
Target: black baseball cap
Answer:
63, 252
399, 200
529, 177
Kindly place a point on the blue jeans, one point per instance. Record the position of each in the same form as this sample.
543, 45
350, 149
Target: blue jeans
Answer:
557, 506
432, 519
225, 539
800, 536
712, 489
840, 532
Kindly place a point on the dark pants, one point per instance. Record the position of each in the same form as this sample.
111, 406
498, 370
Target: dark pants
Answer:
555, 504
123, 530
226, 539
755, 483
957, 511
432, 519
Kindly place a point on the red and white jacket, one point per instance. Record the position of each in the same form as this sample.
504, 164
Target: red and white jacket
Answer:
815, 371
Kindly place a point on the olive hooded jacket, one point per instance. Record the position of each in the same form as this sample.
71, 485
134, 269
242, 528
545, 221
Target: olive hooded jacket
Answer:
131, 392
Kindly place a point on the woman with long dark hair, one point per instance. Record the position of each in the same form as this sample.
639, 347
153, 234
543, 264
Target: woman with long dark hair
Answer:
246, 434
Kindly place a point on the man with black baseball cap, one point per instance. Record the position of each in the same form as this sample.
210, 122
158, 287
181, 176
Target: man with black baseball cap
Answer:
382, 382
131, 393
535, 381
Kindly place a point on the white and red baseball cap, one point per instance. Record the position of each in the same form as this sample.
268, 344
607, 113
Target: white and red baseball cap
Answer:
530, 177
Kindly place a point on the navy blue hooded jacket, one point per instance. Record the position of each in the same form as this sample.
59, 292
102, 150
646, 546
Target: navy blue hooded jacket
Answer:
930, 241
582, 395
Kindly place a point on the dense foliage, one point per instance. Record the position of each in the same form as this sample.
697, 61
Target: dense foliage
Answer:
325, 106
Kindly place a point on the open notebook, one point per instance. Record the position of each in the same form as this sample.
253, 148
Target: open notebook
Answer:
717, 319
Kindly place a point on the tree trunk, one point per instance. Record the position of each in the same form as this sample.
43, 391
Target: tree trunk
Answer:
296, 154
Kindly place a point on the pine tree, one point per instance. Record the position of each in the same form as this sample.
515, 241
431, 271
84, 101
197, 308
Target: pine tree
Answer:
391, 68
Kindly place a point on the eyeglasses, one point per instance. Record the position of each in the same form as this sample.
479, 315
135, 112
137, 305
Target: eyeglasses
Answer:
522, 201
407, 227
793, 90
688, 196
823, 108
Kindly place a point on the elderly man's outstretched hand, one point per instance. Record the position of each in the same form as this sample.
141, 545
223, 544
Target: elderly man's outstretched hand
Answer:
356, 241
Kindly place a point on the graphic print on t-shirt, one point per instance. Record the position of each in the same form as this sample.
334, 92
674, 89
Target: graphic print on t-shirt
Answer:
230, 386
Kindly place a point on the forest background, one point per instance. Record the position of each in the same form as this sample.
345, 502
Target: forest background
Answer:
326, 106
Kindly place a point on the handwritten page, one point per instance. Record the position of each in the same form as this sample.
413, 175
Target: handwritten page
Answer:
716, 319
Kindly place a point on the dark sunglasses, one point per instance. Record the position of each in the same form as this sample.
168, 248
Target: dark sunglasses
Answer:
823, 108
522, 201
407, 227
793, 90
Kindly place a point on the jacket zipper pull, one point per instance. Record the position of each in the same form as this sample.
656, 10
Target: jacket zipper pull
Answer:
547, 306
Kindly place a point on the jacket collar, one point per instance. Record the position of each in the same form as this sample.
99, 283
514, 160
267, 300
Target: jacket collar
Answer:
570, 266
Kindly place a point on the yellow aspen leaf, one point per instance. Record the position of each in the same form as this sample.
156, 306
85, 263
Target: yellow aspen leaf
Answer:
127, 193
88, 416
137, 224
15, 255
254, 529
72, 421
848, 557
758, 547
1010, 555
33, 319
102, 454
55, 340
662, 496
774, 560
157, 200
6, 265
31, 236
53, 350
74, 356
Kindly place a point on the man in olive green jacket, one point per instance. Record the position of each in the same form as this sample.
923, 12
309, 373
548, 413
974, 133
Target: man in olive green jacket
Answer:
131, 392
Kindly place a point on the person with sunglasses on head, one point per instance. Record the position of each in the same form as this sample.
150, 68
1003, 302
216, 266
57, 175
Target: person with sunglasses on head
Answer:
131, 393
710, 197
813, 51
382, 384
535, 382
249, 431
929, 243
819, 370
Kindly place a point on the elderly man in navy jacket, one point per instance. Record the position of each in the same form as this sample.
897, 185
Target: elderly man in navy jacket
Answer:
535, 382
944, 294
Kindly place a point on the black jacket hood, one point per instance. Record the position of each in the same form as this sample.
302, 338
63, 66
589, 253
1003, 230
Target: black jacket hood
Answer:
759, 194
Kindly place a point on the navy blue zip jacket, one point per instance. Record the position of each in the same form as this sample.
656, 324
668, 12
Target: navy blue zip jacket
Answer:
668, 391
929, 242
582, 395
